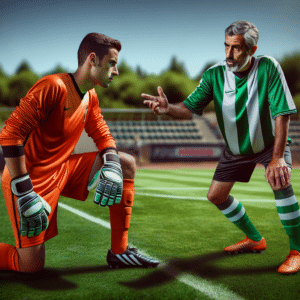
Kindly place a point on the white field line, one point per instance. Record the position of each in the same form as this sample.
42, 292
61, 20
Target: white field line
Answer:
194, 198
212, 290
85, 215
171, 188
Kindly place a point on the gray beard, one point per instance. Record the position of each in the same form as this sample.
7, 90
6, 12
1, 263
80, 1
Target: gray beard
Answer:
239, 66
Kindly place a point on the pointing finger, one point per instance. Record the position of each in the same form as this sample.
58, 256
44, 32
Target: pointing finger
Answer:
160, 91
148, 97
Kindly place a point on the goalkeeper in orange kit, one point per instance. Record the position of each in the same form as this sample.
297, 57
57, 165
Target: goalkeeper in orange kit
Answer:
38, 143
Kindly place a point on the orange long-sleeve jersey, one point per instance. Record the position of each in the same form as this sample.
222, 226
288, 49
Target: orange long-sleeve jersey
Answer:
49, 121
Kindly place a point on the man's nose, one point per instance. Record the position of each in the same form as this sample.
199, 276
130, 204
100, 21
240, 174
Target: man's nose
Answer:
229, 52
116, 71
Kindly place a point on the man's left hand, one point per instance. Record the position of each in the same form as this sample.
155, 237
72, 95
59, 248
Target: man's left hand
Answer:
109, 181
278, 174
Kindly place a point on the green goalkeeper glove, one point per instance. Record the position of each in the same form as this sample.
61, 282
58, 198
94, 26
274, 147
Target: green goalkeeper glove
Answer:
33, 209
109, 181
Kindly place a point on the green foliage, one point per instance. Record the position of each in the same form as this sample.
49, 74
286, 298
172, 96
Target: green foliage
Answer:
23, 67
177, 67
126, 89
291, 68
3, 90
18, 87
176, 86
124, 68
2, 73
297, 102
58, 69
206, 67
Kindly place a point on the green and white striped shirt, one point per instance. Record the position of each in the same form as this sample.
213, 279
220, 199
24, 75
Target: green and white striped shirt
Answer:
245, 107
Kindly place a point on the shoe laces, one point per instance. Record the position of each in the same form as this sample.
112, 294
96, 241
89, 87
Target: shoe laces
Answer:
136, 252
133, 249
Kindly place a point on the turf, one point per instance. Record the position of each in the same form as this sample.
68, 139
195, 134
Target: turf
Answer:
173, 222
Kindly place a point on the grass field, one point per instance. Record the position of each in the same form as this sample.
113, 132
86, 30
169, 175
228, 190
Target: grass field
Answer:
173, 222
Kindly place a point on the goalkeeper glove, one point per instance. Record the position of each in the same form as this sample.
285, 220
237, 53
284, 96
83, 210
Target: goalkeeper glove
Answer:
109, 181
33, 209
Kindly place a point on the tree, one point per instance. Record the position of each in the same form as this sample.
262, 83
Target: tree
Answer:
291, 69
177, 67
140, 73
206, 67
3, 90
19, 85
58, 69
23, 67
176, 86
124, 69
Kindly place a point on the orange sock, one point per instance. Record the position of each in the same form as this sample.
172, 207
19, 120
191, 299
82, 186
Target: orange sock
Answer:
9, 259
120, 218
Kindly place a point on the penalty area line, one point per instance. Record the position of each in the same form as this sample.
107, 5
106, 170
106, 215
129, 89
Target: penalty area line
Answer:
212, 290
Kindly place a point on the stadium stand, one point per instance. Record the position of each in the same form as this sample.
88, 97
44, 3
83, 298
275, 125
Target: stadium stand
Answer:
294, 132
149, 132
167, 139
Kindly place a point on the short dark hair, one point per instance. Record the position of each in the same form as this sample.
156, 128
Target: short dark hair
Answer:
98, 43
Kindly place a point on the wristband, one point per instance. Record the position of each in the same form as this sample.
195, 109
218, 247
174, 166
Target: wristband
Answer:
21, 185
13, 151
106, 149
110, 157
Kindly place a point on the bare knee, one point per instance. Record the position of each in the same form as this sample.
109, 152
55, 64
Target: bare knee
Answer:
128, 165
219, 191
31, 259
215, 198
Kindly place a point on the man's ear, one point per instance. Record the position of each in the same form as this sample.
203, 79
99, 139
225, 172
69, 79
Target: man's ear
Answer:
93, 59
253, 50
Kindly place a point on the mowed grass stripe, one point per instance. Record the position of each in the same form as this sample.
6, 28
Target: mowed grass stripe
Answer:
173, 181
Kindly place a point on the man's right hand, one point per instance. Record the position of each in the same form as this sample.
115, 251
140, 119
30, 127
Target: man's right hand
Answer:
158, 104
33, 209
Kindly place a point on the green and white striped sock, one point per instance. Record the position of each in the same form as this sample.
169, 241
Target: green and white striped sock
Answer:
289, 214
236, 213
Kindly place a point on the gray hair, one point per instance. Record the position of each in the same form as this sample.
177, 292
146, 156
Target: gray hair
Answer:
247, 30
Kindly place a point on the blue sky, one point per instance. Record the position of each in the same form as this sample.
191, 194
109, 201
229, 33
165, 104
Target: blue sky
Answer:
48, 33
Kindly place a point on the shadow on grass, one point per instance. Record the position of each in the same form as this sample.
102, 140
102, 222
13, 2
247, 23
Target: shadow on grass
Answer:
49, 278
200, 266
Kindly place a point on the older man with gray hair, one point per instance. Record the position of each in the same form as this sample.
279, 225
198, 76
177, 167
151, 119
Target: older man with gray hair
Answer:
253, 104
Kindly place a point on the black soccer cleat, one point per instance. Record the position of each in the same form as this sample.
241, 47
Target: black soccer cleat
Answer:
130, 258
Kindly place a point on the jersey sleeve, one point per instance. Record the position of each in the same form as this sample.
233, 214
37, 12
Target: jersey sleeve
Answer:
200, 98
280, 98
32, 110
96, 127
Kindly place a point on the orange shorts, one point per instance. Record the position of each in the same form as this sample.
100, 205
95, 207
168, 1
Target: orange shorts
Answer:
71, 181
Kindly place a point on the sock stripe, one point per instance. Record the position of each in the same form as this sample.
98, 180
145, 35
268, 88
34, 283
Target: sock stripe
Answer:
238, 216
288, 208
231, 208
286, 193
235, 212
289, 216
286, 202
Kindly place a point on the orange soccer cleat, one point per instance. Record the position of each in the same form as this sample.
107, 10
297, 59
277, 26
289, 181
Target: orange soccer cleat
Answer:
247, 245
291, 264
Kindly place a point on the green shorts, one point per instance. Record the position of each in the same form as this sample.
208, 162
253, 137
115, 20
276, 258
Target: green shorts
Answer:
233, 168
